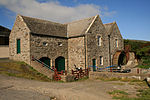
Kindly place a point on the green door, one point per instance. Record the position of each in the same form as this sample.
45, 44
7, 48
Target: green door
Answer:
18, 46
60, 63
46, 61
94, 64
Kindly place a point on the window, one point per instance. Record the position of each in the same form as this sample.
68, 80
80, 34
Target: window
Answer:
59, 43
116, 42
99, 40
101, 60
45, 44
18, 46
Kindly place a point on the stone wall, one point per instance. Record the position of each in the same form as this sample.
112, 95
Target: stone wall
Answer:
20, 31
76, 52
94, 51
111, 75
115, 34
51, 47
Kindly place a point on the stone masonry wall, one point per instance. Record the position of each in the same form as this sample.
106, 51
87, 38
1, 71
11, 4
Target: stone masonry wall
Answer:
20, 31
76, 52
115, 34
94, 51
54, 48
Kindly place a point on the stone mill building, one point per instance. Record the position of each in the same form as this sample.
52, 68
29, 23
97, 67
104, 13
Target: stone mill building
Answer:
83, 43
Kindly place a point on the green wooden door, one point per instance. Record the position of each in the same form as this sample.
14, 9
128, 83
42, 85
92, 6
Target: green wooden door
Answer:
18, 46
46, 61
94, 64
60, 63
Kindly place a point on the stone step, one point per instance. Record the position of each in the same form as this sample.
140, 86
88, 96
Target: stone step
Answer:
43, 70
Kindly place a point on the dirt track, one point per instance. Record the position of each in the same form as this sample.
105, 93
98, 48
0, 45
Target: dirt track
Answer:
12, 88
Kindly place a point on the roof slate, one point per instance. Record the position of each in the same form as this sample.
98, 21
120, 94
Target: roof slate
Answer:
44, 27
79, 27
108, 27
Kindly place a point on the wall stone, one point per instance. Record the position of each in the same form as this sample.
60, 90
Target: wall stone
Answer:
20, 31
115, 34
93, 50
76, 52
55, 47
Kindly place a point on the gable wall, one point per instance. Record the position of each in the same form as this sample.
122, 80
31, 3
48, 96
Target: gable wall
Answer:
115, 34
93, 50
19, 31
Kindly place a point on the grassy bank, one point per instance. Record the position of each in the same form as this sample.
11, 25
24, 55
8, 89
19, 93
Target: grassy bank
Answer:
20, 69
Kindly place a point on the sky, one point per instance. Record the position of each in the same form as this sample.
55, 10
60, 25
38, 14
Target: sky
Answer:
131, 16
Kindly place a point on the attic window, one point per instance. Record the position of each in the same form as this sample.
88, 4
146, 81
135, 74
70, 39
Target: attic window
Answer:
45, 44
59, 43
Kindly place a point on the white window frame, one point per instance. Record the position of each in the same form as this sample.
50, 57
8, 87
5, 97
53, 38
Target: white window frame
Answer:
101, 60
116, 43
99, 40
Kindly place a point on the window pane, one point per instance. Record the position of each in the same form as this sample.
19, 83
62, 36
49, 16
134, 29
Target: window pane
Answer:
101, 60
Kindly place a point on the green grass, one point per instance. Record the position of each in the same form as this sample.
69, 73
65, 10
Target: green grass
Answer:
118, 94
121, 95
21, 69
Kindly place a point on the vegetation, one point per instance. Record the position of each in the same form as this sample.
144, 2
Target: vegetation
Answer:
20, 69
142, 51
121, 95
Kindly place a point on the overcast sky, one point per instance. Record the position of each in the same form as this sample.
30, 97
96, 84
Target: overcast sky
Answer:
132, 16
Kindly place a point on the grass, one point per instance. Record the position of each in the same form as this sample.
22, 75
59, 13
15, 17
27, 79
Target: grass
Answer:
21, 69
118, 94
121, 95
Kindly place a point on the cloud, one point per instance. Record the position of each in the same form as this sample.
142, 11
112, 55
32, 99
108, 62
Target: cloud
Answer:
51, 10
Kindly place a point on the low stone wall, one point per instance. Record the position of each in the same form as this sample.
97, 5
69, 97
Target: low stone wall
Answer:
4, 51
96, 75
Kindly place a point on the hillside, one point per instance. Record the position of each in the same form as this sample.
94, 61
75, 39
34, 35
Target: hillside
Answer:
142, 51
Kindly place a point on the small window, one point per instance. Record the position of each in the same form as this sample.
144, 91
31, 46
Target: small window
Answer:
18, 46
59, 43
116, 42
101, 60
45, 44
99, 40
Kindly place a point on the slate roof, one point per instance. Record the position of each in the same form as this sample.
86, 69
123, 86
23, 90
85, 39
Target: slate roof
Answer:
75, 28
79, 27
44, 27
108, 26
4, 31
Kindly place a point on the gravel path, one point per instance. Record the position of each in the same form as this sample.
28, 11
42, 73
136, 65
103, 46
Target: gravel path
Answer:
12, 88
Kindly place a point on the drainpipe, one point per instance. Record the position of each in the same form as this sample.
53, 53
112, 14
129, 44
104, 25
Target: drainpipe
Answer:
109, 50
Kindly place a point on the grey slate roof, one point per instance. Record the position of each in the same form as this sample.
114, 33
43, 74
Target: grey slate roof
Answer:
4, 31
79, 27
109, 26
44, 27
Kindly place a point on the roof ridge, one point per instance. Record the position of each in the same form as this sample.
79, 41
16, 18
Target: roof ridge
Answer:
40, 19
80, 20
110, 23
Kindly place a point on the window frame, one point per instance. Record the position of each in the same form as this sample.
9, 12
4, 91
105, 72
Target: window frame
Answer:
101, 60
99, 40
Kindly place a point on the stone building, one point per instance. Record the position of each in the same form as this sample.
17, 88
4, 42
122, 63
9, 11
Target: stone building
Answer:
82, 43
